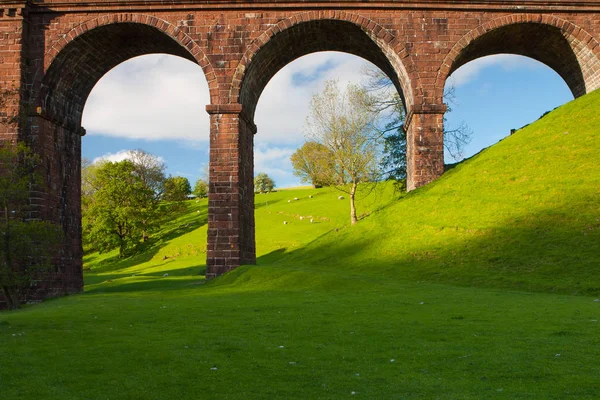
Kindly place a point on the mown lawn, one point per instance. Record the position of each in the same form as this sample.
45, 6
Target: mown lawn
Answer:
324, 337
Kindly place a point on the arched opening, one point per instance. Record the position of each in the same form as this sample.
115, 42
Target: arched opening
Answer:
281, 116
545, 43
232, 166
560, 54
60, 96
496, 95
284, 105
316, 36
76, 69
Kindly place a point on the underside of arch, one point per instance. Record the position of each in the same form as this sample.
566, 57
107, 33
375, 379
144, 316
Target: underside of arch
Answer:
545, 43
306, 38
81, 63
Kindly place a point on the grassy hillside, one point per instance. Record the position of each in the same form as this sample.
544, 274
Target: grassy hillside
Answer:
459, 290
524, 214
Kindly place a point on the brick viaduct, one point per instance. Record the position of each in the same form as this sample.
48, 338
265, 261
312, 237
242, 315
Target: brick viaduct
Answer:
52, 53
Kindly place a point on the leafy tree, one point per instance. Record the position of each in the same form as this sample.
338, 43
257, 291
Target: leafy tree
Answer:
150, 169
263, 183
122, 209
201, 188
312, 163
177, 188
345, 123
26, 246
386, 100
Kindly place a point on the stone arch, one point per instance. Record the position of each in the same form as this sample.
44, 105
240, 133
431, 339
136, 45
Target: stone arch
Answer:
563, 46
329, 31
80, 57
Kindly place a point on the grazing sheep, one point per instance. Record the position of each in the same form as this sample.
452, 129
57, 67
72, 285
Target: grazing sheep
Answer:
341, 197
285, 222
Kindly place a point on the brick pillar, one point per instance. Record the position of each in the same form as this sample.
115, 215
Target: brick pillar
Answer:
13, 28
59, 200
231, 190
424, 145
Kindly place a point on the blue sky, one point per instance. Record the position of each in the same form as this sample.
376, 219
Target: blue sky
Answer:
157, 103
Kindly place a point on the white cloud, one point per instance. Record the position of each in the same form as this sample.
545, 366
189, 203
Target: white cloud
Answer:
159, 97
119, 156
509, 62
151, 97
275, 162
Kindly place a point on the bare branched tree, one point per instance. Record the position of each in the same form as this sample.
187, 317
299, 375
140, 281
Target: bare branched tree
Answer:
387, 101
150, 168
343, 121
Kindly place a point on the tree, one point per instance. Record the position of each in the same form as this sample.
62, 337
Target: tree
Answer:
122, 209
150, 169
345, 123
27, 246
312, 163
386, 100
177, 188
263, 183
201, 188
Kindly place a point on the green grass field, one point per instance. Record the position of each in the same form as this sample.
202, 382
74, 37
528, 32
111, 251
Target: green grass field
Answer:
484, 284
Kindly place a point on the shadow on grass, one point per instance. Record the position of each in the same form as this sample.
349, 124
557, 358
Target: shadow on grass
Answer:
122, 283
187, 222
548, 251
266, 203
271, 257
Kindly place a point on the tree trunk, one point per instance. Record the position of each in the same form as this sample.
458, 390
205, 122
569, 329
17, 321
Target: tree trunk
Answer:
12, 299
353, 218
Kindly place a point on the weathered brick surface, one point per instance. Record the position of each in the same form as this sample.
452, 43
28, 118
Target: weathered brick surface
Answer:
54, 52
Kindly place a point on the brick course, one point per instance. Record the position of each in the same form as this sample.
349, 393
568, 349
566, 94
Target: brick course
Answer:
55, 51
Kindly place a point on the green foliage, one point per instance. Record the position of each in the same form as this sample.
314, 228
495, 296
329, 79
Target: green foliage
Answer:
386, 100
201, 188
344, 122
150, 169
393, 161
123, 209
177, 188
313, 163
263, 183
26, 246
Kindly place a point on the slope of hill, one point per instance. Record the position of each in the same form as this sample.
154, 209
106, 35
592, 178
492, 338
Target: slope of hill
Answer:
523, 214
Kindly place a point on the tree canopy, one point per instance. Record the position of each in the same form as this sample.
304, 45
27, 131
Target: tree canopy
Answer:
386, 100
123, 209
201, 188
344, 122
312, 163
263, 183
27, 245
177, 188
